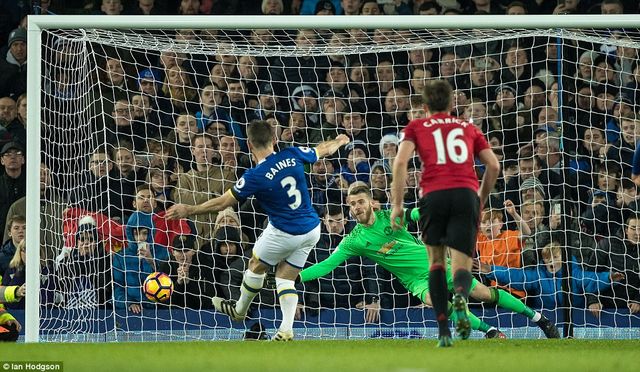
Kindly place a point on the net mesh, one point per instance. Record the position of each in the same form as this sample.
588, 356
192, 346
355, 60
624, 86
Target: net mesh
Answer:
122, 109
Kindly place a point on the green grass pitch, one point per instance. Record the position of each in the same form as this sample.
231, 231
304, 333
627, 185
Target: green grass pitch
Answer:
337, 356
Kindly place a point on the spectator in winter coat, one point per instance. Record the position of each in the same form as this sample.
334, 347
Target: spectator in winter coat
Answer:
141, 257
13, 66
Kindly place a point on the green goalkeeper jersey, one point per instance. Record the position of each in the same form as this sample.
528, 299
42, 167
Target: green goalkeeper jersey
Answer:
397, 251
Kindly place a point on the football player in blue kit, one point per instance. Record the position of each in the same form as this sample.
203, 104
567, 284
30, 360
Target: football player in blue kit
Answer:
278, 183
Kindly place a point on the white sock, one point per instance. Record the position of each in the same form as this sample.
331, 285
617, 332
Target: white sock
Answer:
251, 285
536, 317
288, 298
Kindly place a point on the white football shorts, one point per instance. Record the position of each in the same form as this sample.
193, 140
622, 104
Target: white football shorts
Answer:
274, 246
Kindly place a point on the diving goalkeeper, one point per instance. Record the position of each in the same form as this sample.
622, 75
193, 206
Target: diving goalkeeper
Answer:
403, 255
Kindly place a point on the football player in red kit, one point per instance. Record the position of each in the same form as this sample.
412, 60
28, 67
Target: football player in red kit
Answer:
451, 197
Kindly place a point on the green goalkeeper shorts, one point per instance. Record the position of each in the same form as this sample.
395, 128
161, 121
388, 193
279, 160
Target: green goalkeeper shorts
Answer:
420, 288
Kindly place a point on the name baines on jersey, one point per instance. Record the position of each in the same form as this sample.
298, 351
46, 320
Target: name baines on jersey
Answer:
279, 185
447, 146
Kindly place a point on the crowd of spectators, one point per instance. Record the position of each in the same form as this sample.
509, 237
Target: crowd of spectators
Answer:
168, 127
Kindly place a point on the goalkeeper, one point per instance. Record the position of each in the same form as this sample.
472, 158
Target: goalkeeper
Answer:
403, 255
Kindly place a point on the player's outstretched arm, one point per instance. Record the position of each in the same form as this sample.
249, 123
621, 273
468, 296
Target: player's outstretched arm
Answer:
323, 268
210, 206
327, 148
400, 163
492, 169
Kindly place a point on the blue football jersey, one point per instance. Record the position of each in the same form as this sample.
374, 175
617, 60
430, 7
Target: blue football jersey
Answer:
279, 184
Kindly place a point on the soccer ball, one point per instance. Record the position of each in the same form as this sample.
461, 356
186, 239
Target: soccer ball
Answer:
158, 287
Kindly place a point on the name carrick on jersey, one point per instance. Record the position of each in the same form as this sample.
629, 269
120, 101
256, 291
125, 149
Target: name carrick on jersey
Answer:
447, 146
397, 251
279, 185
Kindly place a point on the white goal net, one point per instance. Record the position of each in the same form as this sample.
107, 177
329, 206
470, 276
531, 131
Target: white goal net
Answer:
135, 121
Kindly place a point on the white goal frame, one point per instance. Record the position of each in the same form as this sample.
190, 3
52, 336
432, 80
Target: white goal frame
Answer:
37, 23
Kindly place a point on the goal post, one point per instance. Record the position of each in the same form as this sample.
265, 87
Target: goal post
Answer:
85, 27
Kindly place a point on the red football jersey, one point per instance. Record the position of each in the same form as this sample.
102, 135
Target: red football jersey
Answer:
447, 147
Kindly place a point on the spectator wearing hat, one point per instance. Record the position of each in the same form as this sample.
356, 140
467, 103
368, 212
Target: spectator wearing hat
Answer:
270, 104
149, 83
84, 275
356, 167
13, 182
482, 77
13, 66
389, 149
304, 98
191, 272
504, 119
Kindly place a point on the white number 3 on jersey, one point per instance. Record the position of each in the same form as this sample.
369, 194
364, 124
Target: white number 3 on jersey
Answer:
292, 191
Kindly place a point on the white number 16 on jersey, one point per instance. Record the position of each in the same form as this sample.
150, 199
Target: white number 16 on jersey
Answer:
456, 149
292, 191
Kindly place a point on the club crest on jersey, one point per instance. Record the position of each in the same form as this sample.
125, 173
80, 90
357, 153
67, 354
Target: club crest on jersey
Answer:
387, 247
240, 183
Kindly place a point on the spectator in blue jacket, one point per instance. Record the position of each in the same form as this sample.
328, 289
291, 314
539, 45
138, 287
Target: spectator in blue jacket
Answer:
140, 258
543, 283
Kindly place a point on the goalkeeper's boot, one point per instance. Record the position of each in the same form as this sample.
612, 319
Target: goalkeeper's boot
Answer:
445, 341
548, 328
495, 333
463, 325
283, 336
227, 307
